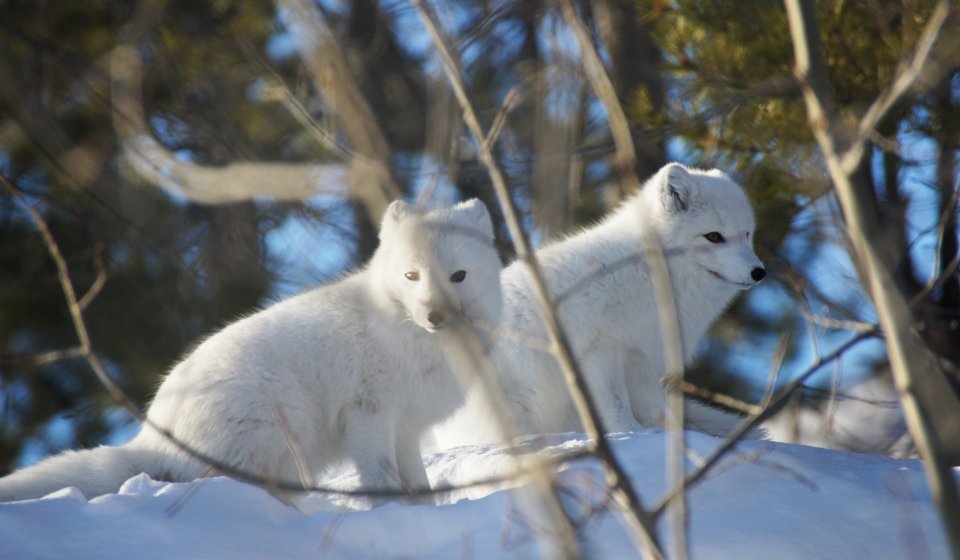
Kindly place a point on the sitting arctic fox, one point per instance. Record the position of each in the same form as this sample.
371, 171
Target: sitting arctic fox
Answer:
601, 286
355, 369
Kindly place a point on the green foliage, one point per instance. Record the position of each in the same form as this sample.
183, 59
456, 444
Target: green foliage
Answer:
733, 102
174, 272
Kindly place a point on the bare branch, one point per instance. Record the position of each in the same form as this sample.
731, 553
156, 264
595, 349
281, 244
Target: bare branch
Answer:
43, 358
326, 138
907, 78
625, 162
202, 184
922, 396
99, 282
509, 102
321, 53
753, 421
76, 313
945, 270
720, 398
642, 530
303, 469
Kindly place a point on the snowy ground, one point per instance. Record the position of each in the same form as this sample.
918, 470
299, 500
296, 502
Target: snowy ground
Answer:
765, 500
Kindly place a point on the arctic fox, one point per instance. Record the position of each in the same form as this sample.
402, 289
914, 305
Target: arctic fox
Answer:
352, 370
601, 286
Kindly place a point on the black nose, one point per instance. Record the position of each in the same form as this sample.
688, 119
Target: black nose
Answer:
758, 274
435, 317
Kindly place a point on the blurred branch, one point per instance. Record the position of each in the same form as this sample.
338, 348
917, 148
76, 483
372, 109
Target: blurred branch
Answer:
924, 396
642, 529
303, 469
326, 138
99, 282
73, 305
752, 422
625, 165
509, 102
42, 358
720, 398
799, 285
837, 324
937, 279
202, 184
485, 147
922, 70
370, 169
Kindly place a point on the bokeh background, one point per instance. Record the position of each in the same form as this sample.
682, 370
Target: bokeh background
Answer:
114, 115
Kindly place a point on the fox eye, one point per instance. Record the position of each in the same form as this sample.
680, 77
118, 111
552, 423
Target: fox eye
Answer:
458, 276
715, 237
412, 276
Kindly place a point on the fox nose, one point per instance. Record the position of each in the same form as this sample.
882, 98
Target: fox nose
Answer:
435, 317
758, 274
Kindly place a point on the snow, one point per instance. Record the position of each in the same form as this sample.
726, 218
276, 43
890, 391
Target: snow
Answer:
764, 500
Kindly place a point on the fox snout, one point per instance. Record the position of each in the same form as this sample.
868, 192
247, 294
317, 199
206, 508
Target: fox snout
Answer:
758, 274
436, 317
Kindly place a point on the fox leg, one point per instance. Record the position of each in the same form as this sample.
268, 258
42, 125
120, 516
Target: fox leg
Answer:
371, 442
604, 369
413, 474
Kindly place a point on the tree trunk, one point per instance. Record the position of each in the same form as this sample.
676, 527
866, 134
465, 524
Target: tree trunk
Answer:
634, 64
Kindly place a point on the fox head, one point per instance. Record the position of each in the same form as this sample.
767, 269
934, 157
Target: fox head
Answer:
439, 266
706, 217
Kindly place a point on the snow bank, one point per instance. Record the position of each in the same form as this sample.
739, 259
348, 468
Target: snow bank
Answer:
765, 500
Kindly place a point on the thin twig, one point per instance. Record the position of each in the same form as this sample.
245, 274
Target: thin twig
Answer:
720, 398
237, 181
907, 78
326, 62
625, 166
925, 395
44, 357
509, 102
99, 282
642, 529
778, 358
299, 459
946, 271
73, 305
752, 422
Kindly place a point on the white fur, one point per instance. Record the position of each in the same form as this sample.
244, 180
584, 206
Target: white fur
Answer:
356, 368
601, 286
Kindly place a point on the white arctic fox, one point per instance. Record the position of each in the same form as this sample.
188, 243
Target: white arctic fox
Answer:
357, 370
604, 295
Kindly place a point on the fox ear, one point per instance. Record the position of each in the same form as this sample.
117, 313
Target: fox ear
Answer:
718, 173
477, 215
397, 210
675, 189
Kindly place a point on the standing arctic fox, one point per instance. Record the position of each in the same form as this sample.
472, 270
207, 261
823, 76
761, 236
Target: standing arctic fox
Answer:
357, 370
600, 283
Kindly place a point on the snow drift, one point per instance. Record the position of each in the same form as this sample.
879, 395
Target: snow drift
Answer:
764, 500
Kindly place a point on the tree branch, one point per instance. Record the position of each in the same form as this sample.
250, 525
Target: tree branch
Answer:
640, 524
370, 170
625, 163
923, 396
908, 76
235, 182
754, 420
